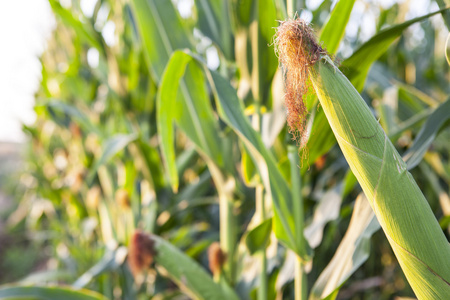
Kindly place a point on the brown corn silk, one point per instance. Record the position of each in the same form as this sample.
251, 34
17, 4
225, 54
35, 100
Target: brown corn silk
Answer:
297, 51
216, 258
141, 252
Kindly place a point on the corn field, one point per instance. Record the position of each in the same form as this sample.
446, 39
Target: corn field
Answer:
236, 149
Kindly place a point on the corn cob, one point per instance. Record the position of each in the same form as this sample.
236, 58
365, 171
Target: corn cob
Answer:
400, 207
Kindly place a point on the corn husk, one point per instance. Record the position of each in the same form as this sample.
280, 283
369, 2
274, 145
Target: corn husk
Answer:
401, 209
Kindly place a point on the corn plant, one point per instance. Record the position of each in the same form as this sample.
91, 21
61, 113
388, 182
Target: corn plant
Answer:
152, 173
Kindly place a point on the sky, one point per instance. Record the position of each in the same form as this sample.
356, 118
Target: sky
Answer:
24, 27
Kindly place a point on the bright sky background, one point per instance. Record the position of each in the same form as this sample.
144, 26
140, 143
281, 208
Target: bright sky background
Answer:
24, 26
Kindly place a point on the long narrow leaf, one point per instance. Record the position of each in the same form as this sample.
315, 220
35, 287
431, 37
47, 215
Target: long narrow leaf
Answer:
193, 114
231, 111
187, 273
214, 22
357, 66
334, 29
352, 252
48, 293
427, 134
83, 30
161, 31
110, 148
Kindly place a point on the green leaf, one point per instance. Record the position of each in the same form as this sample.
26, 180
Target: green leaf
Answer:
47, 293
111, 147
161, 32
242, 10
349, 183
75, 114
214, 22
248, 170
187, 273
352, 252
110, 260
447, 49
262, 45
152, 168
357, 66
83, 30
334, 29
445, 14
321, 139
193, 113
427, 134
231, 111
258, 238
41, 277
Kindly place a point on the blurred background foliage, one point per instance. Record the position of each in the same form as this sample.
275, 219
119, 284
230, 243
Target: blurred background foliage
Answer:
102, 160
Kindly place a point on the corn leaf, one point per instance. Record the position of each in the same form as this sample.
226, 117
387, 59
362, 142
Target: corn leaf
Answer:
193, 114
161, 32
111, 147
327, 210
42, 277
334, 29
214, 22
357, 66
74, 113
82, 30
151, 168
231, 111
48, 293
427, 134
258, 238
187, 273
445, 14
112, 259
352, 252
